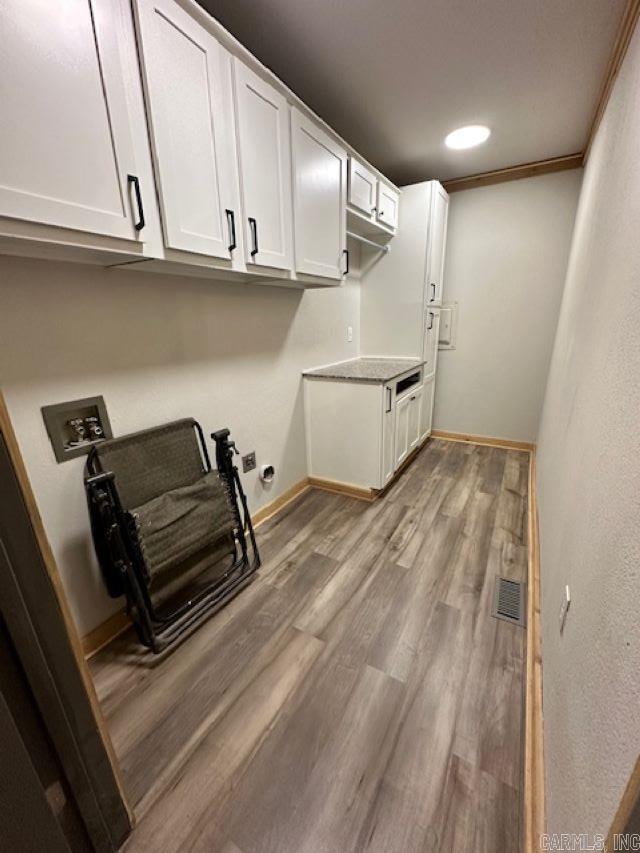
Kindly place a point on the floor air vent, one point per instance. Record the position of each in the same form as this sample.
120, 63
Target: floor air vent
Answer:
509, 601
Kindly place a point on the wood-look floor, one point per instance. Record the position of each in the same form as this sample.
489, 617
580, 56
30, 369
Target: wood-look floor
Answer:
358, 696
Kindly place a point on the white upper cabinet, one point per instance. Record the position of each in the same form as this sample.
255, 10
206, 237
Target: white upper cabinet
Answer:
319, 199
388, 205
188, 85
262, 116
363, 187
66, 151
437, 243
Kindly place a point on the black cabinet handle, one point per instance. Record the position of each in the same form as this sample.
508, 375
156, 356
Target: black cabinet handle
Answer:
345, 252
132, 179
253, 225
388, 409
231, 222
433, 295
430, 326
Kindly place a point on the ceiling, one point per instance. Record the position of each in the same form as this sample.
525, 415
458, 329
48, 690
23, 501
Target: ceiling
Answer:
393, 78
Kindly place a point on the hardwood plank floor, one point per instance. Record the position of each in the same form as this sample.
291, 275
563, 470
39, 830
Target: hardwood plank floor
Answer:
358, 696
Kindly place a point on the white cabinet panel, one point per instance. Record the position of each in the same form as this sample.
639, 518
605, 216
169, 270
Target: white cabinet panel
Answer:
388, 436
66, 148
188, 83
402, 430
388, 205
426, 408
431, 335
363, 187
265, 169
437, 243
319, 193
344, 429
415, 407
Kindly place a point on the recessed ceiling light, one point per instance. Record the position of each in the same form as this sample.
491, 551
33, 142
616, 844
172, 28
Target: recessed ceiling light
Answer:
467, 137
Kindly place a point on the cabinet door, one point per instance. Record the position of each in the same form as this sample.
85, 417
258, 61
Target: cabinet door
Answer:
66, 149
437, 243
319, 199
431, 334
388, 205
187, 79
265, 169
388, 436
363, 187
402, 430
426, 409
415, 408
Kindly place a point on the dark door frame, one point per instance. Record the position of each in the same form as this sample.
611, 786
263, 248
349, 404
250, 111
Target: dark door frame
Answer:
36, 613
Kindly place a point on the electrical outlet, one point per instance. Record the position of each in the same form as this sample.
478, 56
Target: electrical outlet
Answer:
564, 607
349, 334
248, 462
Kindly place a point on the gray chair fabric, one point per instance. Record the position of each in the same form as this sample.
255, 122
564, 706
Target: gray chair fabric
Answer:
181, 512
148, 463
180, 522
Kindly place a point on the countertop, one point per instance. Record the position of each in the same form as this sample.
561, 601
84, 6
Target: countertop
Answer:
366, 369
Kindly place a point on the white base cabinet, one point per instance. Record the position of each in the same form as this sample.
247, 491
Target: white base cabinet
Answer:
360, 433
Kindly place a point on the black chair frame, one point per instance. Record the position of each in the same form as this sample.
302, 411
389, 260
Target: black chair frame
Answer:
122, 564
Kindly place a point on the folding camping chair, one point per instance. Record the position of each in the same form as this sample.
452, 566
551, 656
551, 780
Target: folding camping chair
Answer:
171, 534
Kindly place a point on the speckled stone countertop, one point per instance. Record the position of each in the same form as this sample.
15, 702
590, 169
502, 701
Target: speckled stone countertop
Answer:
366, 369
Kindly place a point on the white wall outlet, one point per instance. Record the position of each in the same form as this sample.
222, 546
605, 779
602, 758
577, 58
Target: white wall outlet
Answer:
349, 334
564, 607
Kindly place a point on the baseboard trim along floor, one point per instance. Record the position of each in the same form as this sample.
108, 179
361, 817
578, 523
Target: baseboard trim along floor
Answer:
483, 440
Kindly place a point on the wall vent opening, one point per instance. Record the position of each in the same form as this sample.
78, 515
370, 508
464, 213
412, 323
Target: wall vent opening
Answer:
509, 601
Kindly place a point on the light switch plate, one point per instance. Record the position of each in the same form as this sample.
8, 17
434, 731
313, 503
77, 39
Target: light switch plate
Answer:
349, 334
448, 326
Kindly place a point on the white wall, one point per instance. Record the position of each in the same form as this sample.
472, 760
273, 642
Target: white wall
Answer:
589, 487
507, 251
157, 348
